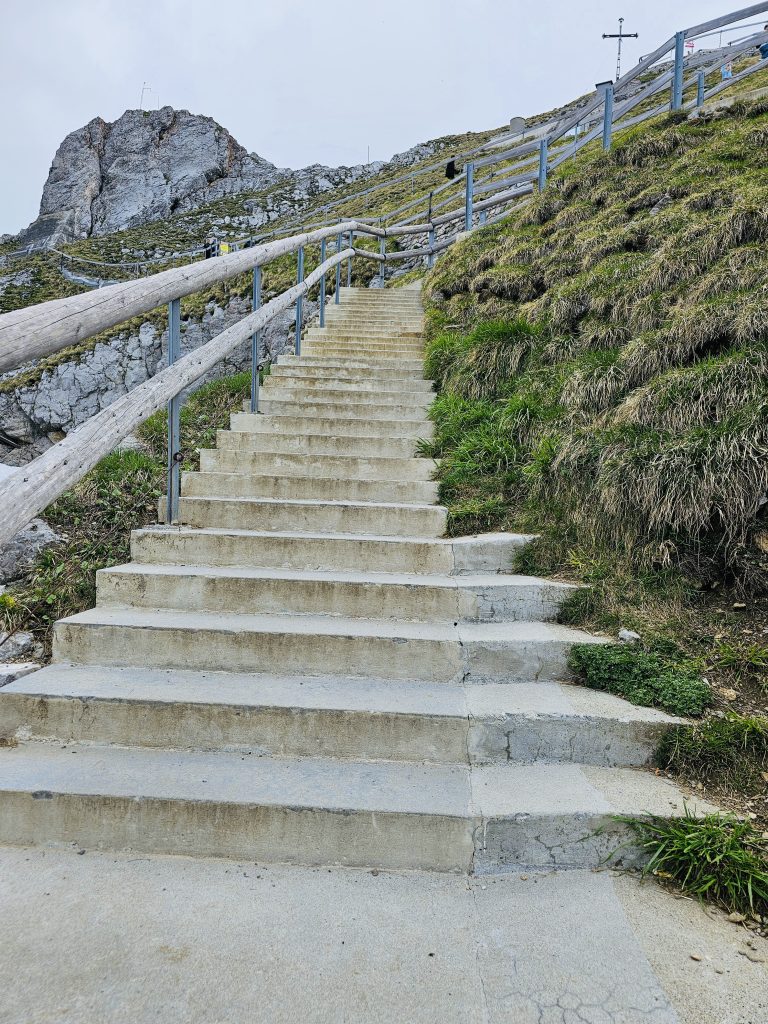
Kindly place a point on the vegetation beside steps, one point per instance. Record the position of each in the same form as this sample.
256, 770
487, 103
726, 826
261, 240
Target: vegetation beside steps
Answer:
601, 359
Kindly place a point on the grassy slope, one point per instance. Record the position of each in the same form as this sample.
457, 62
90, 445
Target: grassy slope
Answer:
602, 361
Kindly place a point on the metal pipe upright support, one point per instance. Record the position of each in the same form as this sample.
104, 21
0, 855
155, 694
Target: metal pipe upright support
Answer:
700, 83
322, 284
339, 244
382, 253
483, 218
349, 261
255, 342
299, 301
469, 198
174, 418
543, 157
677, 82
608, 117
431, 257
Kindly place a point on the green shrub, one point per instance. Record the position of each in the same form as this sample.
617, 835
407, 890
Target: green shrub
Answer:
731, 751
718, 858
641, 677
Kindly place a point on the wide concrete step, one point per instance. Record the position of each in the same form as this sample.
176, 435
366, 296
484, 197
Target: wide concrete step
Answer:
408, 427
317, 645
323, 811
330, 716
315, 444
350, 347
176, 545
333, 391
330, 488
360, 361
341, 467
362, 378
409, 390
400, 338
349, 409
314, 517
418, 598
388, 325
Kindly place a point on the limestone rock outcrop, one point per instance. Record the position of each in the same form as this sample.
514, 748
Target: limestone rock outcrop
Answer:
142, 167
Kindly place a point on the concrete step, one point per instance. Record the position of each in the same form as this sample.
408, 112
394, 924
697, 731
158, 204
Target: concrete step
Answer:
322, 408
176, 545
331, 488
400, 338
341, 467
418, 598
411, 390
409, 427
322, 811
436, 652
313, 517
362, 378
388, 325
315, 444
333, 391
375, 364
331, 716
353, 346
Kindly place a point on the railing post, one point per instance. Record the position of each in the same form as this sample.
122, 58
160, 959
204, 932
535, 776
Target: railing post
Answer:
299, 301
255, 342
483, 217
608, 117
174, 418
700, 88
543, 156
677, 82
349, 261
322, 285
339, 243
382, 253
431, 257
469, 198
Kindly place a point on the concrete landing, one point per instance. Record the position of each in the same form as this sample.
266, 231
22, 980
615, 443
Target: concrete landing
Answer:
115, 939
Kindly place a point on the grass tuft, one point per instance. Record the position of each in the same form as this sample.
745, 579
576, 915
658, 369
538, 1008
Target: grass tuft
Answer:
717, 858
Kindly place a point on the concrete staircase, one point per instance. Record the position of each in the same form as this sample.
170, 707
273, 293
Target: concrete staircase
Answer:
308, 671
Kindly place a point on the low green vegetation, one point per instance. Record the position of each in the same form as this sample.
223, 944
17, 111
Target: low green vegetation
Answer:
717, 858
729, 752
641, 677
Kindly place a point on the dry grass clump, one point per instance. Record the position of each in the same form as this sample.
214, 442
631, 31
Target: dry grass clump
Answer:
699, 395
637, 398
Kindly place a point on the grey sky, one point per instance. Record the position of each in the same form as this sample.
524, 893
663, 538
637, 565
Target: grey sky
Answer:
303, 81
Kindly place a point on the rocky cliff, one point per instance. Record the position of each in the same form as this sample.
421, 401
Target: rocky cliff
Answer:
150, 164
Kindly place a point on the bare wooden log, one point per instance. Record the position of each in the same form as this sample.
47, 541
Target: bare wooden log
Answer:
32, 488
37, 331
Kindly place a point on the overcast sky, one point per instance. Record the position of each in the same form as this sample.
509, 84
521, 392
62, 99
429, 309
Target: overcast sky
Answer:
304, 81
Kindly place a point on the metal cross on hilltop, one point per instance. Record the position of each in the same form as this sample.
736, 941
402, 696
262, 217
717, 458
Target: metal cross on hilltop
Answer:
620, 35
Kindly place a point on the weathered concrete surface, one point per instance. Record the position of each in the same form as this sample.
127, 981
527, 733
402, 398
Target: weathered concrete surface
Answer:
113, 939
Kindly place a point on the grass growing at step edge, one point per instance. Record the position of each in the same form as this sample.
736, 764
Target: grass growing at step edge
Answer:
717, 858
731, 752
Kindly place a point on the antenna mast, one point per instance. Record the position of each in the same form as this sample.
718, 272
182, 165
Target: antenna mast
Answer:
621, 35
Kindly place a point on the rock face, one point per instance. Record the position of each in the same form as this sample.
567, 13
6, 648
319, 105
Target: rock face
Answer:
144, 166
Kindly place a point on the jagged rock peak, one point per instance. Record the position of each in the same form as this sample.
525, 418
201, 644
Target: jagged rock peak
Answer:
144, 166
